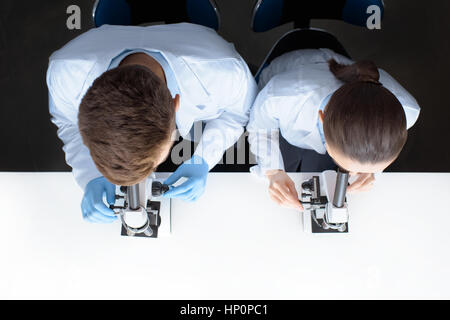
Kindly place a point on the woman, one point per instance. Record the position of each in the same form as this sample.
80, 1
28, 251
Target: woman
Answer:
330, 112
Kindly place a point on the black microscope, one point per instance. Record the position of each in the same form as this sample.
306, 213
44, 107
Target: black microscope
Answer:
329, 212
140, 216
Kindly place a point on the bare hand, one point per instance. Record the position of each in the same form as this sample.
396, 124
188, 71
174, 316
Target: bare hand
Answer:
364, 182
282, 190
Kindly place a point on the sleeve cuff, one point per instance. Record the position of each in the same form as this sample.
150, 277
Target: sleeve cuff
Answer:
260, 171
86, 178
211, 156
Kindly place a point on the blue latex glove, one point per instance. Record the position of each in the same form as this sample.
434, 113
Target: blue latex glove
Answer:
92, 205
196, 171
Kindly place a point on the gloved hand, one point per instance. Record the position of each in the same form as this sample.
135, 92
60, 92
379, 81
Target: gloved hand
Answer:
92, 205
196, 171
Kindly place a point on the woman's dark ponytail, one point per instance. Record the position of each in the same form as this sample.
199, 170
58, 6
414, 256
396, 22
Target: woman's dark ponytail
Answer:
363, 119
364, 71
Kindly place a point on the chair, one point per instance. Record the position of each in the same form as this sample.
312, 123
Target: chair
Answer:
268, 14
297, 39
135, 12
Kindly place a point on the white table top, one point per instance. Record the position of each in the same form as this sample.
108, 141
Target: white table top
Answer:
233, 243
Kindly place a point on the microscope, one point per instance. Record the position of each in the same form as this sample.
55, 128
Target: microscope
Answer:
140, 212
327, 212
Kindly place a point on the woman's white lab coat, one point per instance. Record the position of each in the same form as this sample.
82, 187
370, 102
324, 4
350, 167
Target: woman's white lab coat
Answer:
292, 88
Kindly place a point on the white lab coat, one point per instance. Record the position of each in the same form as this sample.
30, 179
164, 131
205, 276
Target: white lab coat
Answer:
215, 83
292, 89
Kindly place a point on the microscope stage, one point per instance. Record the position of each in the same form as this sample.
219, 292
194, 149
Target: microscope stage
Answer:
153, 216
158, 213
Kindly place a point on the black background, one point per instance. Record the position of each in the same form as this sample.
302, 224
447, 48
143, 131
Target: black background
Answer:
276, 309
413, 46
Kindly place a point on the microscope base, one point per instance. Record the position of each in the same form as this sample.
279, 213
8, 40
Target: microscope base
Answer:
159, 209
155, 221
311, 226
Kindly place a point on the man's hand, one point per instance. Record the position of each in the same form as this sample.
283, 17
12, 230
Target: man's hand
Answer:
196, 172
92, 205
363, 182
282, 189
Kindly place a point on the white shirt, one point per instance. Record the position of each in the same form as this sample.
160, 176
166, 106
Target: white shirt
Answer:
293, 87
171, 80
215, 83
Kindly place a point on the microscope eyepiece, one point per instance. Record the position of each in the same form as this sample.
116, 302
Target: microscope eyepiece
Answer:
340, 189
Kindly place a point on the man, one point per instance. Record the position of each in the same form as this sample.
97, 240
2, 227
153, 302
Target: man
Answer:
117, 93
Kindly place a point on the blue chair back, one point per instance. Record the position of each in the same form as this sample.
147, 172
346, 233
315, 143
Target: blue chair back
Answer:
203, 12
268, 14
115, 12
355, 11
118, 12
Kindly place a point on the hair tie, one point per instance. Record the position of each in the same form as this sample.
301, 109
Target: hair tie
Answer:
378, 83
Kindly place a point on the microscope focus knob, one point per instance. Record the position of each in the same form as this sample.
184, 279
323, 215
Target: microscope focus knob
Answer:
159, 188
307, 185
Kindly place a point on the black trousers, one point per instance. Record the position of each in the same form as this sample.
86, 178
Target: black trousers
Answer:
303, 160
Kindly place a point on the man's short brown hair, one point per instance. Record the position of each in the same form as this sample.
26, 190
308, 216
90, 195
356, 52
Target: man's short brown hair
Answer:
125, 119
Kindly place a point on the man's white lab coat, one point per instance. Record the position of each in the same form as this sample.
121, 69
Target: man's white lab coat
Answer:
215, 83
293, 87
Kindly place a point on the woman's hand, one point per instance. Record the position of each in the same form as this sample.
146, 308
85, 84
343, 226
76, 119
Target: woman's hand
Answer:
282, 189
363, 182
